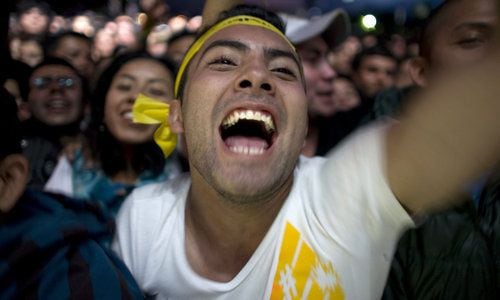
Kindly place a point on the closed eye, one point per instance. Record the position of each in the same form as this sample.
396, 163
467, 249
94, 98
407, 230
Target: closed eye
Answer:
470, 43
124, 87
285, 71
222, 61
157, 92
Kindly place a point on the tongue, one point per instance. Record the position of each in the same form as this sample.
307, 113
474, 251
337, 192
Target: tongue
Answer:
245, 141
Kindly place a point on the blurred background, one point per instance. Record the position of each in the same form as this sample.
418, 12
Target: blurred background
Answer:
389, 13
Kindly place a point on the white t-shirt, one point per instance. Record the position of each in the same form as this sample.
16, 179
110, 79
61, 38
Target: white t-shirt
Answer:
333, 238
61, 179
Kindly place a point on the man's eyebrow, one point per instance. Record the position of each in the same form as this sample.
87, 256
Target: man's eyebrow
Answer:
483, 26
275, 53
226, 43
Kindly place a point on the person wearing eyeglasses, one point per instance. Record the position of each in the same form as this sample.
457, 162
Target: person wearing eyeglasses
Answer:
56, 99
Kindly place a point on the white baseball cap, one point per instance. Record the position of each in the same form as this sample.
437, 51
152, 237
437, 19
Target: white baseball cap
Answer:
334, 26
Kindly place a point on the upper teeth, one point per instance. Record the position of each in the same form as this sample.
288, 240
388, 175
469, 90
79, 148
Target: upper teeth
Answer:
128, 115
235, 116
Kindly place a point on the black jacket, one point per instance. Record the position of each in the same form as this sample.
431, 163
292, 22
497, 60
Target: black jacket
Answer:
453, 255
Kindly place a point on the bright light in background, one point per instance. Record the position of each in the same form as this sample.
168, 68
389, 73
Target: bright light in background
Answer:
368, 22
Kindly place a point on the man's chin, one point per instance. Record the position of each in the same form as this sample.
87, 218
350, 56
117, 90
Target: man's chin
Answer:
245, 192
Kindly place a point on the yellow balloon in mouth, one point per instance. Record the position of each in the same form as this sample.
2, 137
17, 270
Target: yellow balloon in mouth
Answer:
147, 110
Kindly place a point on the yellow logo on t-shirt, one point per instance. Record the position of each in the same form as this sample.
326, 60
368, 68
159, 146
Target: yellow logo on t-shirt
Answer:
301, 274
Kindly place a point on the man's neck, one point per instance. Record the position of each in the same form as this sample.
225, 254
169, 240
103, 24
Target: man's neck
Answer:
221, 237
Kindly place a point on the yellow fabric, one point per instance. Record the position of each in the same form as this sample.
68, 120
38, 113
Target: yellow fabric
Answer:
236, 20
150, 111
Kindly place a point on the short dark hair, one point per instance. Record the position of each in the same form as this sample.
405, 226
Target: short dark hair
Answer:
103, 145
375, 50
9, 125
242, 9
25, 5
52, 60
53, 41
180, 34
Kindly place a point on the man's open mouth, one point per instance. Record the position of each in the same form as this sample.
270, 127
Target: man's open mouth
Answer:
249, 132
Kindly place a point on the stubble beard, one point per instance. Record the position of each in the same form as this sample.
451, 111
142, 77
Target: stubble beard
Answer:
243, 188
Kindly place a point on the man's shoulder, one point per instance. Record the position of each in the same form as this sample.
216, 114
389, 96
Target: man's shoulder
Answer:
363, 145
306, 163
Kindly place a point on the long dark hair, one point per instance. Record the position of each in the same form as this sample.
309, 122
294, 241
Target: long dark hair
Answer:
104, 147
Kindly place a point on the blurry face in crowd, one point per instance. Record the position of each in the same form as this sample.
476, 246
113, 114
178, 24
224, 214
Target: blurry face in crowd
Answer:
55, 96
104, 44
178, 48
156, 42
58, 24
154, 8
341, 57
397, 46
30, 52
77, 51
177, 23
34, 21
83, 24
194, 23
462, 33
375, 73
345, 95
137, 76
318, 75
244, 72
125, 32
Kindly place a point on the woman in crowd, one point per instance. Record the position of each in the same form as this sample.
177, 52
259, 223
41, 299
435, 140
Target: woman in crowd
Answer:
118, 155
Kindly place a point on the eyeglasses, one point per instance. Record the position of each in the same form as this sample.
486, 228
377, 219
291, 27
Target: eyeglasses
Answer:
43, 82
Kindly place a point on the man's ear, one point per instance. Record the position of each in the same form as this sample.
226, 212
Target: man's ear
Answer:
175, 117
419, 68
14, 174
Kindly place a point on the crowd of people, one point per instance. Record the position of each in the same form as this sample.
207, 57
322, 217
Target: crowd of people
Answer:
304, 160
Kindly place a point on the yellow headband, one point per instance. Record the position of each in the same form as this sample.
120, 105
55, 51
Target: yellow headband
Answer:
236, 20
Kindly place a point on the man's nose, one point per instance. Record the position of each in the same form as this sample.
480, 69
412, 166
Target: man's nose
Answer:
256, 76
